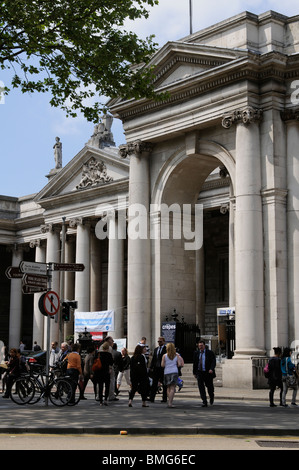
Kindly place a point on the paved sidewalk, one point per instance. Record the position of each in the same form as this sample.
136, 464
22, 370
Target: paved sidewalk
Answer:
234, 412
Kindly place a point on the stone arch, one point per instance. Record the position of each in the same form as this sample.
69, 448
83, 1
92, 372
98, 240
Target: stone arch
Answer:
207, 158
179, 182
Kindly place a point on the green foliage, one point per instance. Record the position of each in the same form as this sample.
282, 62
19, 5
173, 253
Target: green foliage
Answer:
76, 50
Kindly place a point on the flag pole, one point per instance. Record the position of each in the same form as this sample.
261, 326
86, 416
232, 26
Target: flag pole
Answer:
190, 15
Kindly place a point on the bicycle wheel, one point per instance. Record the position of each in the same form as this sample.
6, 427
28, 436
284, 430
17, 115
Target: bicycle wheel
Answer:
76, 394
60, 392
39, 391
22, 391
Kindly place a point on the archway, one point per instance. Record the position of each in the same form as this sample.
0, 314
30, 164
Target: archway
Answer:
179, 273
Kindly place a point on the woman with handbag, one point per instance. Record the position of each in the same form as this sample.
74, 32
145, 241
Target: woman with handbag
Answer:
171, 361
289, 377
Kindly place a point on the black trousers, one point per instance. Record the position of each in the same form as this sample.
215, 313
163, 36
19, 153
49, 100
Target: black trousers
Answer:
158, 376
205, 379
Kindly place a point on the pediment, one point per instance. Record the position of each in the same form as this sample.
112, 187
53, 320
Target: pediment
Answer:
177, 61
90, 168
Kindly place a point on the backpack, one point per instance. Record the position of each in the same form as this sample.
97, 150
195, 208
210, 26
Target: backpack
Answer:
97, 364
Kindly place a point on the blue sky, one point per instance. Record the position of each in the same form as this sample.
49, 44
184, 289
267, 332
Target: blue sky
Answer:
29, 125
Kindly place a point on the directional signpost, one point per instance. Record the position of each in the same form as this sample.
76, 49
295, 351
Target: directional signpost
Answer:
13, 272
28, 267
68, 267
33, 280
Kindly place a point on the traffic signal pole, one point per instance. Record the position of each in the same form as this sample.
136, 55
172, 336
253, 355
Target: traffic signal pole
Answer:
62, 281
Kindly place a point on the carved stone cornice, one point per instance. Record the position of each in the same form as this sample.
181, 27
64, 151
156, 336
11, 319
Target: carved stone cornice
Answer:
291, 114
135, 148
245, 116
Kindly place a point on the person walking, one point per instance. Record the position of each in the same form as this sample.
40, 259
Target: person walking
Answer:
139, 376
87, 370
275, 376
204, 363
74, 368
125, 369
289, 379
171, 361
142, 342
102, 376
157, 371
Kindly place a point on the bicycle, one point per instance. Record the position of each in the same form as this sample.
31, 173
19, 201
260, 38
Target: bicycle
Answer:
33, 386
60, 373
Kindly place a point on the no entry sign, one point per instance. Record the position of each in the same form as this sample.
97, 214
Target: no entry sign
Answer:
49, 303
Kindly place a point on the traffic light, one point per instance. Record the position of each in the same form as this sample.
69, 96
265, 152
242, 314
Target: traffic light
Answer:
66, 311
67, 307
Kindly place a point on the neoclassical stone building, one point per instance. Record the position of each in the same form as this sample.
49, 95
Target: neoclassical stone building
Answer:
227, 139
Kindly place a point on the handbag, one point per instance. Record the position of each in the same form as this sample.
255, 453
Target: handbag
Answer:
266, 370
97, 365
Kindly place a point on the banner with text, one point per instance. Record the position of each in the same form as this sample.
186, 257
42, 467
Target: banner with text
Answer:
94, 321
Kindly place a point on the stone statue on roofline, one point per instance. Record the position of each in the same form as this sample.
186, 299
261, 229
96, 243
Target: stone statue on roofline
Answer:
102, 136
57, 153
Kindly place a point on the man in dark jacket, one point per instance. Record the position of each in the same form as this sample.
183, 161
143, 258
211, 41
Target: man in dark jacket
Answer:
204, 363
157, 371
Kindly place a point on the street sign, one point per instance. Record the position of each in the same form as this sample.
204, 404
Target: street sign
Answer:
33, 268
13, 272
68, 267
50, 303
34, 280
32, 290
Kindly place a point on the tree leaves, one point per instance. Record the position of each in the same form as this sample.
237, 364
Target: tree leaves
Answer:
77, 50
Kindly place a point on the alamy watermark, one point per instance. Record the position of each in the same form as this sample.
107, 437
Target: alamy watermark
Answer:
295, 94
163, 222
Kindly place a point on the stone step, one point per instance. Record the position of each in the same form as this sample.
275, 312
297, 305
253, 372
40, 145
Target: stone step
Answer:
190, 381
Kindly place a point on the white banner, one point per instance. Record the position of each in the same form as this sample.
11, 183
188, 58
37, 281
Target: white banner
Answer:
94, 321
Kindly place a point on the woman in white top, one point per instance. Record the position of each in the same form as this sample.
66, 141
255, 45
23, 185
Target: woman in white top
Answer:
171, 361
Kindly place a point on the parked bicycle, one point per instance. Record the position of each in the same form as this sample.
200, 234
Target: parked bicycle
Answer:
29, 388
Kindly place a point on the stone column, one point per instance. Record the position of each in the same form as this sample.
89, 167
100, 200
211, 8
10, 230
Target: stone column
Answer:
249, 285
115, 300
292, 131
69, 280
38, 317
95, 274
15, 309
82, 281
200, 289
139, 252
53, 256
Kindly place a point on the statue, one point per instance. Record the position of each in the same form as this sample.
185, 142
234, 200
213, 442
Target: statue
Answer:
58, 153
102, 136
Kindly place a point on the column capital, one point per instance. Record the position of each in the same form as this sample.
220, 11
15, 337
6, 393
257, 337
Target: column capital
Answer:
46, 228
137, 148
291, 114
35, 243
245, 116
75, 221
